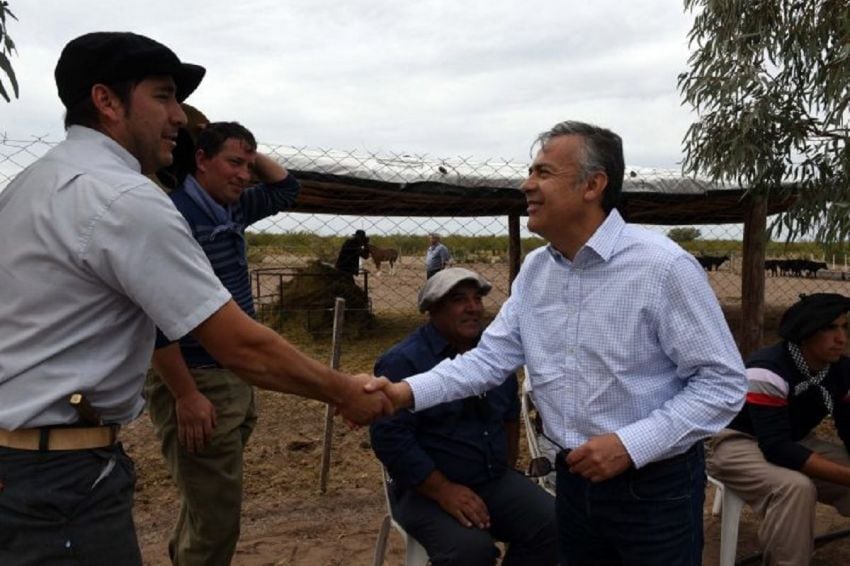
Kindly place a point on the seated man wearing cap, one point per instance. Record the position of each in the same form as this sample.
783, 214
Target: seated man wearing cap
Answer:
769, 454
452, 482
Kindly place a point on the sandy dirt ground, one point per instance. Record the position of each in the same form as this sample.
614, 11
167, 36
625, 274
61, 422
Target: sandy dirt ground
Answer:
286, 521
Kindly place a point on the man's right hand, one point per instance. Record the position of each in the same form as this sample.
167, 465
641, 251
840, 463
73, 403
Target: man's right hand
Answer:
464, 505
195, 420
362, 406
399, 393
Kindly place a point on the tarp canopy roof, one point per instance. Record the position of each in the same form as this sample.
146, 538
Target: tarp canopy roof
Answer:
347, 183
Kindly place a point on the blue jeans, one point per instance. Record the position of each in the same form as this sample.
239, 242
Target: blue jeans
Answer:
67, 508
650, 516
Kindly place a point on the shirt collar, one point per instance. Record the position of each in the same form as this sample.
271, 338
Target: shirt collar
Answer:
601, 243
438, 345
82, 133
216, 212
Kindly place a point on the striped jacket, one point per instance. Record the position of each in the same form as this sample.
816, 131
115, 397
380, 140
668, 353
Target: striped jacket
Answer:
778, 417
226, 250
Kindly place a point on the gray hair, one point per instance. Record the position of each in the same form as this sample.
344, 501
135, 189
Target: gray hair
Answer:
602, 150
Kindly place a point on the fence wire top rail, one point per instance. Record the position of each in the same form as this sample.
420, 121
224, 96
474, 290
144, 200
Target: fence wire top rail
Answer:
363, 183
400, 184
405, 169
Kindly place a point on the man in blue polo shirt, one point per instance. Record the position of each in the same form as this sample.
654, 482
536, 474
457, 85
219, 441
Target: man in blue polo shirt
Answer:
454, 488
204, 413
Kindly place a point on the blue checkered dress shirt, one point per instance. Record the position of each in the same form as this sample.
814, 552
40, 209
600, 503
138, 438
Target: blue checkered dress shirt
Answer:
627, 338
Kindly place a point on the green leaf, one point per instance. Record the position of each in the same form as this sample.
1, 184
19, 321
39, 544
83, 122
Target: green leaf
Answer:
6, 66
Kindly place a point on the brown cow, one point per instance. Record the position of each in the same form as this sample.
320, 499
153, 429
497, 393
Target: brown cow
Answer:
380, 255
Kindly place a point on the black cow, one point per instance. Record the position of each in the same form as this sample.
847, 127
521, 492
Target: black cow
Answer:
794, 267
773, 266
791, 268
711, 262
812, 267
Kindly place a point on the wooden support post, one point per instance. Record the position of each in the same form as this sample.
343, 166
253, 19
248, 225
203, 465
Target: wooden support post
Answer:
280, 302
514, 248
336, 350
752, 276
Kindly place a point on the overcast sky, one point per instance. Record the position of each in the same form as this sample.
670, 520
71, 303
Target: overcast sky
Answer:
472, 78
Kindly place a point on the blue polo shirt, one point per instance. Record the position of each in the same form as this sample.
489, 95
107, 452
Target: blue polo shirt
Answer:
463, 439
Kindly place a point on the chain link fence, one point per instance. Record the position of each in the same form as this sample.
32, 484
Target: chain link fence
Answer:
398, 199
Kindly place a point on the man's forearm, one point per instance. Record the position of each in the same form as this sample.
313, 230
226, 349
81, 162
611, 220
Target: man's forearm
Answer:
172, 369
268, 170
821, 467
261, 357
433, 485
196, 415
457, 500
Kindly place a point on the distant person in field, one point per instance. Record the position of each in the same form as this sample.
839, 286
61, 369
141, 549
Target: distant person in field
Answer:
437, 256
770, 454
453, 483
354, 248
203, 413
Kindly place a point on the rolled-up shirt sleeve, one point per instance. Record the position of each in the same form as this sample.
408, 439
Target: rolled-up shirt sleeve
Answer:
266, 199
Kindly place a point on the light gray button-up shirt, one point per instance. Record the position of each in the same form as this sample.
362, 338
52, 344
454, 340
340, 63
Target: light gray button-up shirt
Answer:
93, 256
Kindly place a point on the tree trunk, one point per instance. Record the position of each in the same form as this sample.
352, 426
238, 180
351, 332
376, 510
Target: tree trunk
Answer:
752, 275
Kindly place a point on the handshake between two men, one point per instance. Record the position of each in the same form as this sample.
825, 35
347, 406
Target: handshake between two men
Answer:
261, 357
372, 398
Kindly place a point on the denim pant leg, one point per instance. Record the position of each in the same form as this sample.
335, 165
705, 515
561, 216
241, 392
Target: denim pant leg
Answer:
651, 516
447, 542
522, 514
71, 507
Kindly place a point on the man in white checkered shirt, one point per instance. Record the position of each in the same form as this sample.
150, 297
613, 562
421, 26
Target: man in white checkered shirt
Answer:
630, 358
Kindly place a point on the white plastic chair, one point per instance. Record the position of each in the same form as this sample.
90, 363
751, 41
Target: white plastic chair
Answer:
415, 554
531, 437
729, 505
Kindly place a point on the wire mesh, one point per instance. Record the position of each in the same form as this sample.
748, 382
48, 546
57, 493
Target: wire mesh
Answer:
304, 245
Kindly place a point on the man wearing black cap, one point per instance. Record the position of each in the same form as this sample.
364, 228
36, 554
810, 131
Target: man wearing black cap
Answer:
453, 486
768, 454
95, 257
348, 260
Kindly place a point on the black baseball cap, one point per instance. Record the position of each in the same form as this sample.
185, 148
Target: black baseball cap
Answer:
107, 57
